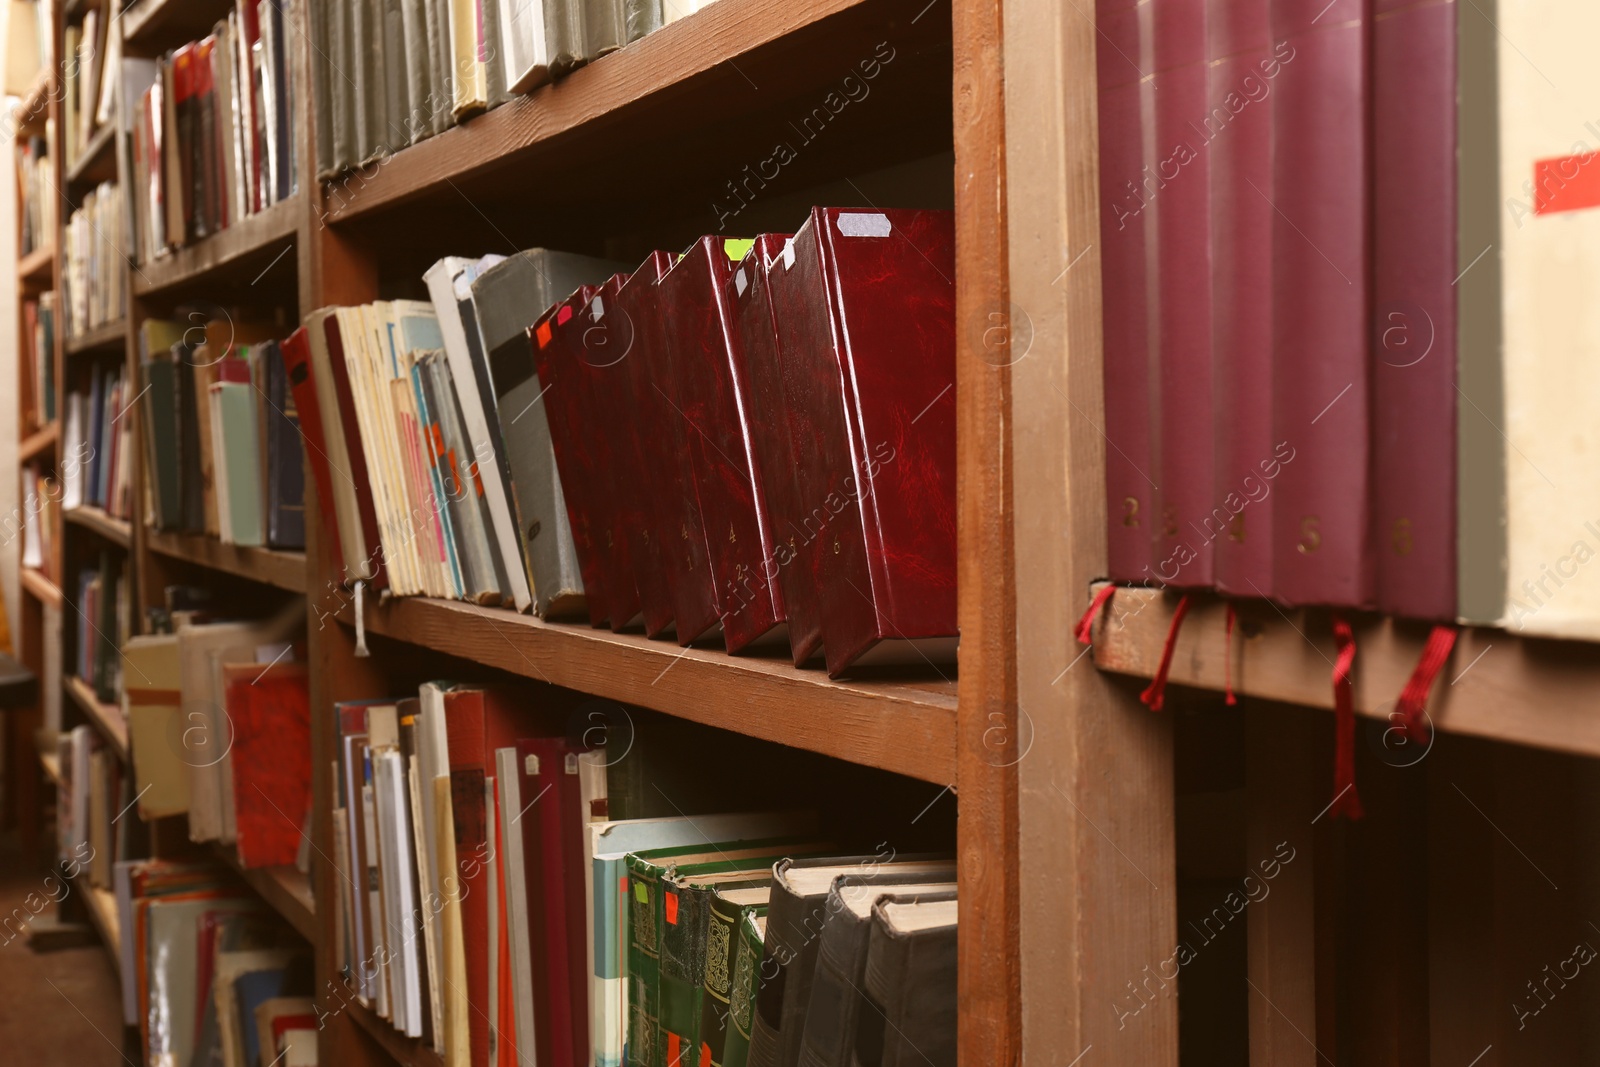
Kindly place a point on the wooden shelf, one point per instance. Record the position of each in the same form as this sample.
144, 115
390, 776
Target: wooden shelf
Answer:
285, 889
51, 763
113, 529
101, 904
1496, 684
261, 236
107, 718
905, 727
34, 106
405, 1051
38, 441
37, 266
286, 570
96, 161
150, 26
109, 336
40, 587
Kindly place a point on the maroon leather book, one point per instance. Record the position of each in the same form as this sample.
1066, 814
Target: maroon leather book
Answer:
1238, 135
553, 851
352, 440
551, 336
865, 307
1414, 307
1184, 453
638, 497
1321, 393
297, 365
1126, 190
678, 355
717, 406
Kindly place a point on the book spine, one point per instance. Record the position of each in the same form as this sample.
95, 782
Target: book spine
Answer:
359, 476
308, 411
1414, 304
644, 966
681, 920
1321, 391
741, 1004
716, 997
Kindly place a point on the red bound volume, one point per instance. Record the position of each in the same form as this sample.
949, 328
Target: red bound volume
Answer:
270, 712
1320, 389
1238, 132
716, 403
1414, 307
352, 440
1126, 190
638, 497
865, 305
564, 406
297, 365
773, 453
1185, 453
684, 324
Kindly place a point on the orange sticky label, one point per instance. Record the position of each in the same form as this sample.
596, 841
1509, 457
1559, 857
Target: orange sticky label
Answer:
669, 903
673, 1044
705, 1055
542, 333
1566, 183
564, 314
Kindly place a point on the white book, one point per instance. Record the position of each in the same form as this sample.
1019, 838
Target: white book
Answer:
382, 956
432, 761
524, 44
219, 446
509, 783
401, 890
73, 466
375, 434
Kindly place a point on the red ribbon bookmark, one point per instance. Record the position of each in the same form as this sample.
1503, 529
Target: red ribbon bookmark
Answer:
1155, 695
1346, 801
1227, 661
1084, 631
1413, 702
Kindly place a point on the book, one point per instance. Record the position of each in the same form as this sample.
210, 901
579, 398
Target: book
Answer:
751, 932
152, 699
296, 352
910, 985
726, 914
269, 706
285, 459
357, 524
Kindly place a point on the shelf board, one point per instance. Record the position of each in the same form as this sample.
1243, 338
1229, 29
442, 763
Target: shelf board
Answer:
251, 238
286, 570
40, 587
1496, 685
405, 1051
37, 266
51, 763
905, 727
96, 161
285, 889
107, 718
111, 335
38, 441
111, 528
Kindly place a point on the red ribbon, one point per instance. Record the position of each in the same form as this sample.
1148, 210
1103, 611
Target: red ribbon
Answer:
1227, 661
1413, 702
1346, 801
1155, 695
1084, 631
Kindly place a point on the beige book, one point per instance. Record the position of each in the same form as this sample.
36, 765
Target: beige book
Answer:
457, 1032
353, 332
151, 696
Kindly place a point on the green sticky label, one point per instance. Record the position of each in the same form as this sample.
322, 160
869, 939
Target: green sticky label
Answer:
738, 249
641, 894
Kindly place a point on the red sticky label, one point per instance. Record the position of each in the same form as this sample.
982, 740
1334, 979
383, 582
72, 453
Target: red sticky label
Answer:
672, 1049
669, 902
542, 334
564, 314
705, 1055
1566, 183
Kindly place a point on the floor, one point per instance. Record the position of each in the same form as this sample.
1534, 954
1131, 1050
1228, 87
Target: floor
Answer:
61, 1007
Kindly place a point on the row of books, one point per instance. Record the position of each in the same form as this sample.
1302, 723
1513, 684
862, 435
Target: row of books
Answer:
757, 436
41, 506
222, 434
96, 442
209, 973
496, 905
388, 75
103, 624
39, 360
90, 792
1349, 357
36, 209
211, 130
94, 276
89, 89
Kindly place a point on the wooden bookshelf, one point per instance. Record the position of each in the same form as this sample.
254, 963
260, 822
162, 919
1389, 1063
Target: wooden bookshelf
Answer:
108, 337
908, 728
255, 240
37, 267
50, 763
406, 1051
40, 587
286, 570
284, 888
101, 904
97, 160
107, 718
39, 441
118, 531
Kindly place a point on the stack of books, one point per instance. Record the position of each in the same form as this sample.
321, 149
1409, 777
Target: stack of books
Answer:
36, 213
222, 434
211, 129
756, 438
89, 97
96, 443
39, 360
94, 279
103, 624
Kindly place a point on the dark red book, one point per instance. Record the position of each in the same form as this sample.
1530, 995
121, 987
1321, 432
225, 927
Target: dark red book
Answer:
270, 712
774, 585
296, 351
595, 361
352, 438
713, 393
1320, 389
640, 499
1126, 190
557, 334
1178, 155
184, 114
1414, 307
866, 323
1238, 134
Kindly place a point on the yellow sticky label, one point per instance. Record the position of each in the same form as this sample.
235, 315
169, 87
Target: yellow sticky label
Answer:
640, 893
738, 249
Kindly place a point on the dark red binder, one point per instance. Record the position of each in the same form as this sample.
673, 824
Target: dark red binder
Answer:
631, 326
1243, 69
712, 392
352, 440
297, 365
1414, 307
1321, 392
865, 307
1125, 291
554, 336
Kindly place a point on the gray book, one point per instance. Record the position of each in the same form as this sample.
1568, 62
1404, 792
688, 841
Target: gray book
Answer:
359, 91
472, 544
396, 81
494, 71
908, 994
419, 69
641, 17
605, 26
835, 1009
506, 301
441, 80
322, 16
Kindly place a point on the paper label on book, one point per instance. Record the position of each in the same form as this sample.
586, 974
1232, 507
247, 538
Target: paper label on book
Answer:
739, 283
788, 253
571, 763
597, 308
530, 765
669, 907
864, 224
738, 248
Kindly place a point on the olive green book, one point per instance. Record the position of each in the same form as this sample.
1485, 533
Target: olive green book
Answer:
751, 937
728, 909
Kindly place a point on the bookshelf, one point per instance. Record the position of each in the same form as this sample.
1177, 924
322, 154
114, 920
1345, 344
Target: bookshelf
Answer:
118, 531
286, 570
107, 718
106, 338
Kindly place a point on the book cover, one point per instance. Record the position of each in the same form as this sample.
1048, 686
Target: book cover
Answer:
270, 710
286, 485
296, 353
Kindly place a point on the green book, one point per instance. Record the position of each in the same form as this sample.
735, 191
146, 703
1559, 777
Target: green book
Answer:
752, 935
161, 438
728, 908
234, 407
